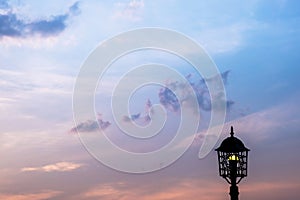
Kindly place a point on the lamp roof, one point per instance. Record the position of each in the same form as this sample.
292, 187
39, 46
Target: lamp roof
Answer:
232, 144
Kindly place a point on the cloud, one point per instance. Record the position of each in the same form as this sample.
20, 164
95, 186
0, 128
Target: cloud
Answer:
169, 100
145, 116
25, 94
74, 9
258, 127
48, 27
179, 189
270, 122
15, 27
192, 186
47, 194
58, 167
91, 125
105, 191
132, 117
130, 11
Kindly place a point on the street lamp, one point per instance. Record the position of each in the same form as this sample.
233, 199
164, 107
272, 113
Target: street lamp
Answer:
233, 159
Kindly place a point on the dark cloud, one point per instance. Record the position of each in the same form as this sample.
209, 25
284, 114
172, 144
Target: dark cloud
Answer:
132, 117
91, 125
48, 27
74, 9
12, 26
145, 116
169, 100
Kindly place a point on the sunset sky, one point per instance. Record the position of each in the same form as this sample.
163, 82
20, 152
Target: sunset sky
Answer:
254, 44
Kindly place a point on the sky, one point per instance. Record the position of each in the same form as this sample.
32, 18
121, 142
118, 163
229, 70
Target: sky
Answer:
44, 46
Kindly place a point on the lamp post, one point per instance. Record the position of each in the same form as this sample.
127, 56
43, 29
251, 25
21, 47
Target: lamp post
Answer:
233, 159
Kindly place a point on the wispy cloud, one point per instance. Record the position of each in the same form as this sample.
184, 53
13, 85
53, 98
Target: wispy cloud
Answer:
272, 190
189, 188
212, 38
14, 26
129, 11
58, 167
179, 189
23, 91
257, 127
267, 123
47, 194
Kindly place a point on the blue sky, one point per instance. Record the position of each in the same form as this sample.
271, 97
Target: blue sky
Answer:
43, 45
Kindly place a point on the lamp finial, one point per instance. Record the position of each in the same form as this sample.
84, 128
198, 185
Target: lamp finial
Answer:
231, 133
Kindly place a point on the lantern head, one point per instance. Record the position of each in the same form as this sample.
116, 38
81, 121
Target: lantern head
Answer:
232, 158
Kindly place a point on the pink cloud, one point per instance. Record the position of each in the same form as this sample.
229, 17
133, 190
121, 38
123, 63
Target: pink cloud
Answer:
60, 167
36, 196
178, 190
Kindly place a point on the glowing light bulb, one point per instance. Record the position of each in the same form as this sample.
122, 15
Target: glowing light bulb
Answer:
233, 157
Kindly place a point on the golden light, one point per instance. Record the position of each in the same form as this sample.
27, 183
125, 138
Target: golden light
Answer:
233, 157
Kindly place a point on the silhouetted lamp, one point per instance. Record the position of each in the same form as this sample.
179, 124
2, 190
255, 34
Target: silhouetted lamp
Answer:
233, 159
